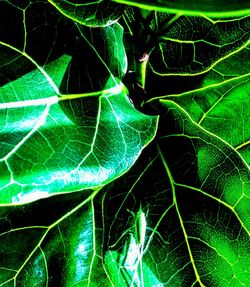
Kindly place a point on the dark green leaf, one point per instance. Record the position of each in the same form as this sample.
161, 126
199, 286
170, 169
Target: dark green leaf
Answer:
75, 154
192, 45
81, 137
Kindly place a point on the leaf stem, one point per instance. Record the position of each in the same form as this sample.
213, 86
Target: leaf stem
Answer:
141, 72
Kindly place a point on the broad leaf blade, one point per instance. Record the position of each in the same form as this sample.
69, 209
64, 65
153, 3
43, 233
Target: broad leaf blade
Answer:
53, 143
90, 13
178, 216
204, 43
49, 153
197, 225
211, 8
221, 104
48, 250
196, 204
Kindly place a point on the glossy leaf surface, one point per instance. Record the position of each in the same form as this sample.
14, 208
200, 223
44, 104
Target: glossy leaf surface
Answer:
74, 155
196, 204
51, 145
212, 8
137, 122
221, 104
195, 234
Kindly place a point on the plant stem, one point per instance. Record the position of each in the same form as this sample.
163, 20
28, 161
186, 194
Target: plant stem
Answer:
141, 73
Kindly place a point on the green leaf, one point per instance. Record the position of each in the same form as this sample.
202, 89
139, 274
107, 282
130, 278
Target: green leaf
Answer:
46, 250
105, 43
170, 52
115, 57
44, 152
204, 43
52, 143
89, 13
221, 104
195, 234
212, 8
80, 137
196, 204
165, 208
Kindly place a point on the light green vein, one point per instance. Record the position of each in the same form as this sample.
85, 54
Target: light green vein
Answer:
172, 183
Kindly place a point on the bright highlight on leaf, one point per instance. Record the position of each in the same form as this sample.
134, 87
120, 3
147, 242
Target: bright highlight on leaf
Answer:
194, 231
221, 104
73, 156
212, 8
124, 143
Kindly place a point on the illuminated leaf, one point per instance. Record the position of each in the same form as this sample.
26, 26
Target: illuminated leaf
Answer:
221, 104
46, 249
78, 138
196, 203
196, 208
134, 115
212, 8
90, 13
74, 156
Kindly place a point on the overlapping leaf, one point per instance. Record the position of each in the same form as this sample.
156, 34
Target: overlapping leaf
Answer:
196, 203
45, 152
90, 13
46, 250
197, 229
212, 8
221, 104
178, 215
180, 45
52, 143
192, 45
